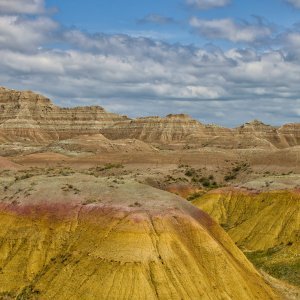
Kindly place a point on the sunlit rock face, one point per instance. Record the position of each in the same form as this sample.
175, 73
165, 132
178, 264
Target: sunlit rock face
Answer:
291, 133
29, 117
32, 117
82, 237
172, 128
264, 224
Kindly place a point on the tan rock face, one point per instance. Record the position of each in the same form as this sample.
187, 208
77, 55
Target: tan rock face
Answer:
261, 134
290, 133
32, 117
172, 128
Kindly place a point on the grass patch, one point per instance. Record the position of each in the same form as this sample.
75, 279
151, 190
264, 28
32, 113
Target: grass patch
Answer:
287, 271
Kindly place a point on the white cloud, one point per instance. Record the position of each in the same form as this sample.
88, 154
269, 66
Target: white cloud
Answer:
156, 19
295, 3
24, 34
293, 39
22, 6
206, 4
140, 76
229, 30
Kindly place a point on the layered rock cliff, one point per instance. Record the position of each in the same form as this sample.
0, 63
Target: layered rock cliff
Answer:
172, 128
26, 116
29, 116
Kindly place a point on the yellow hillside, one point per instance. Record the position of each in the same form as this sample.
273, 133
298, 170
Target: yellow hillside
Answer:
265, 225
81, 237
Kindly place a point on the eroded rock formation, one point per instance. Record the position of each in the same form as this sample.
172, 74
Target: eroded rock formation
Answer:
263, 223
81, 237
26, 116
29, 116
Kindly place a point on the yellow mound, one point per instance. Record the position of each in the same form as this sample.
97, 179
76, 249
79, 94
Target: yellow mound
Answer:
81, 237
265, 223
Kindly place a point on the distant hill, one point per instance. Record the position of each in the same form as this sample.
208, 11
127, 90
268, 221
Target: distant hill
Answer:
29, 117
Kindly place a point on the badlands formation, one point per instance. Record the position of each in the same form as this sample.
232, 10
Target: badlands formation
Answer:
265, 225
95, 205
26, 116
82, 237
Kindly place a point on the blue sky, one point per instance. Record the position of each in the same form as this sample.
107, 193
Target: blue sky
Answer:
222, 61
121, 16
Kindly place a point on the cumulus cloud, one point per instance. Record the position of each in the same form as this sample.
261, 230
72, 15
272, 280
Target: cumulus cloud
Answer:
207, 4
141, 76
140, 72
20, 33
156, 19
295, 3
229, 30
22, 6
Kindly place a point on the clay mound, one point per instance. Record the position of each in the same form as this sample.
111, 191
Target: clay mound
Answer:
265, 224
6, 164
81, 237
99, 144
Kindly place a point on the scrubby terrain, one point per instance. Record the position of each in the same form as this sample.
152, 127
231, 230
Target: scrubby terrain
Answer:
95, 205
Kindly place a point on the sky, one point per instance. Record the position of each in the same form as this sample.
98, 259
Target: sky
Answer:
221, 61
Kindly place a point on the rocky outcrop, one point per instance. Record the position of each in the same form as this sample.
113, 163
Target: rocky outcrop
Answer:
171, 129
290, 133
26, 116
256, 132
29, 116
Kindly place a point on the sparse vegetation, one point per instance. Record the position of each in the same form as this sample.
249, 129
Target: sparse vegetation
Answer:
236, 170
195, 196
24, 176
288, 271
109, 166
135, 204
89, 201
196, 177
29, 292
70, 188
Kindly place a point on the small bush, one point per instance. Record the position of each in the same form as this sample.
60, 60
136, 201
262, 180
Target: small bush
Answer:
194, 196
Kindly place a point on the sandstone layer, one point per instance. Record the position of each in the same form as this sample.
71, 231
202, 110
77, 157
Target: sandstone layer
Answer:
82, 237
32, 118
26, 116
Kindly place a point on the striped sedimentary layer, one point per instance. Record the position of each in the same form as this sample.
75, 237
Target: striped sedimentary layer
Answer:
26, 116
82, 237
32, 117
265, 224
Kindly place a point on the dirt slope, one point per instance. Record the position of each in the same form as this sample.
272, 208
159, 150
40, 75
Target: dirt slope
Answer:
265, 224
82, 237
